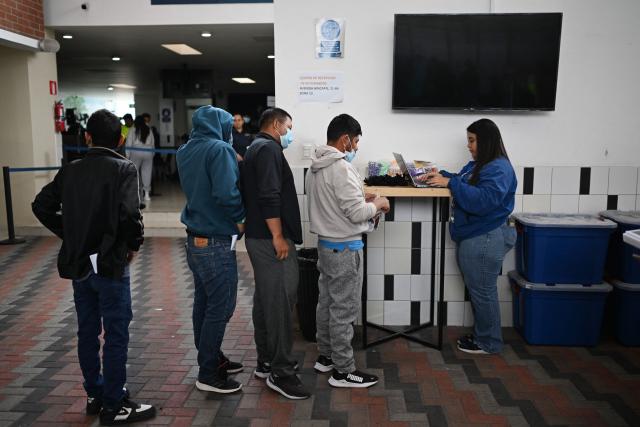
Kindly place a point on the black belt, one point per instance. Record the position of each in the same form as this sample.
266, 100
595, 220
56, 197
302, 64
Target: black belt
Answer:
202, 236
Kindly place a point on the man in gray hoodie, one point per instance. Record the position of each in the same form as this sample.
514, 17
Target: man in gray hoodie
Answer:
340, 212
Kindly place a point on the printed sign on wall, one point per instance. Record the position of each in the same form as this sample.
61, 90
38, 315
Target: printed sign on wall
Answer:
320, 87
329, 38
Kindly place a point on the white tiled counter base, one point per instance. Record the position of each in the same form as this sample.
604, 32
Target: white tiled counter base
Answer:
399, 252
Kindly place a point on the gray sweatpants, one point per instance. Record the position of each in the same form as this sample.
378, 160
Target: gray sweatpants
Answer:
273, 302
340, 287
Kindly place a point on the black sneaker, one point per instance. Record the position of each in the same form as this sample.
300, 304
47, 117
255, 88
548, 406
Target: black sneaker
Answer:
94, 404
230, 366
263, 370
290, 387
219, 385
465, 338
324, 364
470, 347
356, 379
129, 412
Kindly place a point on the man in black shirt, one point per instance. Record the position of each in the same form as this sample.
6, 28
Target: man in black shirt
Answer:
272, 229
241, 139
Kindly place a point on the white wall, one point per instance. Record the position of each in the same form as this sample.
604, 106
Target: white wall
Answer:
26, 119
60, 13
597, 97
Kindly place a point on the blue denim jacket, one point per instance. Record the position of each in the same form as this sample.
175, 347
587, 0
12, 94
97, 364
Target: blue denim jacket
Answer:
485, 206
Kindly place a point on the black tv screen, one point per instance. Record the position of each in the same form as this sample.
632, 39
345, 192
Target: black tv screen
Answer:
476, 61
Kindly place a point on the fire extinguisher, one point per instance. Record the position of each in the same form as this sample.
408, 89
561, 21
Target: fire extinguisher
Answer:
59, 116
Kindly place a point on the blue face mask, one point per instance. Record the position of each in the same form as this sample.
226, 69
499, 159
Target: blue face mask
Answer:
286, 139
350, 155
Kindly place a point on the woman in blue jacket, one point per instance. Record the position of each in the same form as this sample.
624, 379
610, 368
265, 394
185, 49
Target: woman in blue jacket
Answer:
483, 198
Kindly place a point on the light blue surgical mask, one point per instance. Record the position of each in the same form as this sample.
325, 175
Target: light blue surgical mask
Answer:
286, 139
351, 154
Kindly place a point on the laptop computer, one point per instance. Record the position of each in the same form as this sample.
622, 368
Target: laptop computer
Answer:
405, 171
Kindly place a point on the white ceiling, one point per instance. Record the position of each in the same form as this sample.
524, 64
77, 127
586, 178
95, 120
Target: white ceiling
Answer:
234, 50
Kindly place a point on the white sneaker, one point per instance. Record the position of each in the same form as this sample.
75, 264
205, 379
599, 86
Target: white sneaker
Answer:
146, 196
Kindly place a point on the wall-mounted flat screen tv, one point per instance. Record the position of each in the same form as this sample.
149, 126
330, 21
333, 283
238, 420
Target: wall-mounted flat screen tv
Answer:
476, 61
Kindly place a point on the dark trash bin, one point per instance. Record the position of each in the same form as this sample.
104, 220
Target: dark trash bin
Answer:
308, 292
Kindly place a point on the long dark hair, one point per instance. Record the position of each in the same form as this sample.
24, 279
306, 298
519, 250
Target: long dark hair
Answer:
489, 145
142, 130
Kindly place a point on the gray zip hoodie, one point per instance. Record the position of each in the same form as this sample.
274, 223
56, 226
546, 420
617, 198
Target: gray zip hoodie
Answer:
337, 209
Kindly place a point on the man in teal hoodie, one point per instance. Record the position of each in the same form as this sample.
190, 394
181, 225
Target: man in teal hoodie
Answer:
214, 213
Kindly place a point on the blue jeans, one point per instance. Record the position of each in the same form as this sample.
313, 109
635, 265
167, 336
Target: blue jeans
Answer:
215, 276
101, 299
480, 260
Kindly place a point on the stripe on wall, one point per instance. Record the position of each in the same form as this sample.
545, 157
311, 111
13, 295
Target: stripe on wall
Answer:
612, 202
585, 180
388, 287
415, 261
527, 184
416, 234
415, 313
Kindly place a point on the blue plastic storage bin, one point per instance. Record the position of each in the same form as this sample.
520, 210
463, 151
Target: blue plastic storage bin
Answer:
558, 314
626, 312
620, 262
562, 248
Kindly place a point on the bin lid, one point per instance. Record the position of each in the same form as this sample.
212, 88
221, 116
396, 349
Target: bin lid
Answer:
633, 287
623, 217
515, 276
556, 220
632, 237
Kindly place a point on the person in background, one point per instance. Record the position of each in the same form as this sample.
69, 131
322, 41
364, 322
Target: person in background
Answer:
158, 162
139, 143
241, 139
483, 198
339, 213
100, 219
273, 229
154, 130
214, 212
128, 124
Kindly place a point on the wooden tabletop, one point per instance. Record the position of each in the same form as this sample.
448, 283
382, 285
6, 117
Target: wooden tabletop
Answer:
408, 191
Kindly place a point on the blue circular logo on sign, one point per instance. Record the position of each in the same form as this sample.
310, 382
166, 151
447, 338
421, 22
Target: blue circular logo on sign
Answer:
330, 29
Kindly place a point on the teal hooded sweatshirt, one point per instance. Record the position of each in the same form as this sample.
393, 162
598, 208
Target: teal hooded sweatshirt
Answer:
209, 175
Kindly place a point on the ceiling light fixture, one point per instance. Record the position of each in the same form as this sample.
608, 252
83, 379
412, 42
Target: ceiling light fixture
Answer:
182, 49
243, 80
67, 36
115, 58
206, 34
110, 88
271, 56
123, 86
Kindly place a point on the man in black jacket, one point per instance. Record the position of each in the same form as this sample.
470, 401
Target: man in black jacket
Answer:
101, 228
272, 229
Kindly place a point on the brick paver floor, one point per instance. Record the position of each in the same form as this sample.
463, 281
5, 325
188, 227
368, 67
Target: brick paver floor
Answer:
40, 380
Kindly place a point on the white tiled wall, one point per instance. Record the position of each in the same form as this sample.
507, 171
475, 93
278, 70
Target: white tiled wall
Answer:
555, 189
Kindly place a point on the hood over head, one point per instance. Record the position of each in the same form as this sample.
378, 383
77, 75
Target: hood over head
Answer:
211, 123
